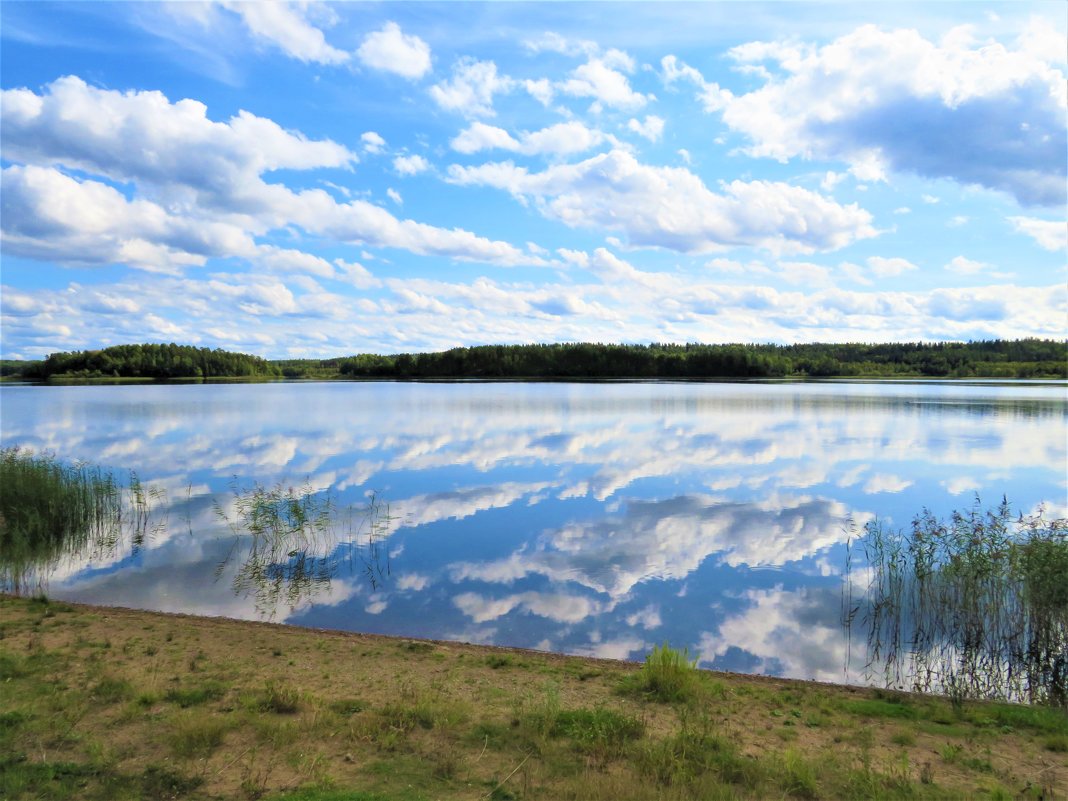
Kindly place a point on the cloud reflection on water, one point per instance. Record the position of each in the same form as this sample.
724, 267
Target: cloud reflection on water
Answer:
588, 518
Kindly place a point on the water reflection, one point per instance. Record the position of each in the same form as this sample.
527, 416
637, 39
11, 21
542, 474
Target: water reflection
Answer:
586, 518
290, 543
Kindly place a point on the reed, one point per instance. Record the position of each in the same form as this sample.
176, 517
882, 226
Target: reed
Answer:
972, 607
298, 539
50, 510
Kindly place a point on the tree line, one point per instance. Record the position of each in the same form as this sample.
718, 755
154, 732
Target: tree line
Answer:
1023, 358
149, 361
1029, 358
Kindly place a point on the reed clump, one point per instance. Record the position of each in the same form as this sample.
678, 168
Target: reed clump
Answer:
972, 607
50, 509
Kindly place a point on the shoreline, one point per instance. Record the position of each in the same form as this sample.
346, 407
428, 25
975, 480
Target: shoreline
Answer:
111, 702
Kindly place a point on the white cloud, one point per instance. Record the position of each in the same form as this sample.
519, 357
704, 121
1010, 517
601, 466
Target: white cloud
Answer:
143, 136
471, 89
892, 99
889, 268
208, 176
600, 78
395, 196
960, 485
884, 482
49, 215
286, 26
391, 50
965, 266
559, 607
555, 43
652, 128
671, 207
372, 142
560, 139
410, 165
768, 628
1048, 234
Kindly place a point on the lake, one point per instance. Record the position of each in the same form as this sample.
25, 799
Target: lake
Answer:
586, 518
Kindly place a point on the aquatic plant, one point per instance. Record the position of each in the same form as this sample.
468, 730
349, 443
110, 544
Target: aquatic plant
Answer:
50, 510
973, 607
298, 539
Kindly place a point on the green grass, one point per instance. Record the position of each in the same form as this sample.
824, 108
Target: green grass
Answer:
668, 675
377, 722
194, 696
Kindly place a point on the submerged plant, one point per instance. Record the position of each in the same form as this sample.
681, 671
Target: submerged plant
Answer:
973, 607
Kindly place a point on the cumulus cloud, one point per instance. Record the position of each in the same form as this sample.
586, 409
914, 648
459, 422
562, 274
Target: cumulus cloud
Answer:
207, 174
563, 138
652, 128
286, 26
670, 207
670, 539
130, 136
410, 165
889, 268
793, 633
372, 142
391, 50
603, 79
49, 215
471, 88
976, 112
1048, 234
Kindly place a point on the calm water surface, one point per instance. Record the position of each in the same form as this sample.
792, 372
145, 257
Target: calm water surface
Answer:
595, 519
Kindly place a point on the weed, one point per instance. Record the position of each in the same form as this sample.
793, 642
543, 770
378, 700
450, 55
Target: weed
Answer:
111, 690
201, 693
347, 706
275, 697
601, 732
1057, 743
195, 737
903, 738
668, 675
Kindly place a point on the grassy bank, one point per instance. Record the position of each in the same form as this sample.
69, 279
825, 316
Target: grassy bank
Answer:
111, 703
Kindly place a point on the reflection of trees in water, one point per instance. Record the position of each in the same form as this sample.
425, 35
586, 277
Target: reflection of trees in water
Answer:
52, 512
299, 541
976, 607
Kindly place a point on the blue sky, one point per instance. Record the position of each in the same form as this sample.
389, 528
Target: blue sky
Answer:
313, 179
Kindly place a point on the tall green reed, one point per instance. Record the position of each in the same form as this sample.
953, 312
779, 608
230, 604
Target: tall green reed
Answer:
974, 607
51, 510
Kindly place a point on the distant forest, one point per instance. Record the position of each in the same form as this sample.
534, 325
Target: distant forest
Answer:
1025, 358
144, 361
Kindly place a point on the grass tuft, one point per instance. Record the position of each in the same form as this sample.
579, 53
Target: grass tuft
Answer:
668, 675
